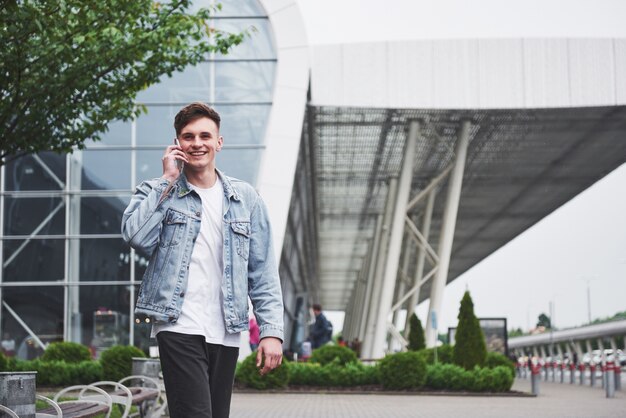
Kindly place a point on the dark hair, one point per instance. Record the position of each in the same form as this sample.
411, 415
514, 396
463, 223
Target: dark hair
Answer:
317, 307
192, 112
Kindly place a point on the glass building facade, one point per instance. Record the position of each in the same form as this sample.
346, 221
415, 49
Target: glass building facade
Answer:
66, 272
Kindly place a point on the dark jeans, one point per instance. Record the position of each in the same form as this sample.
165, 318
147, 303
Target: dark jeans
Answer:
198, 376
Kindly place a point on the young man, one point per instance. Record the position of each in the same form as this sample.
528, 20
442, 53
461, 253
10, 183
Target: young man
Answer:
209, 242
321, 331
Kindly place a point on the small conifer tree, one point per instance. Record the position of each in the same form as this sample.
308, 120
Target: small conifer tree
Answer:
470, 349
416, 334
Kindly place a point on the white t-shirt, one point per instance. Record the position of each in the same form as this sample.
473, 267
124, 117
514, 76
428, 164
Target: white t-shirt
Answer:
202, 312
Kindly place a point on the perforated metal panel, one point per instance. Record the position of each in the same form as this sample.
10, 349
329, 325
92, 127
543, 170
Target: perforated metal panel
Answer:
521, 166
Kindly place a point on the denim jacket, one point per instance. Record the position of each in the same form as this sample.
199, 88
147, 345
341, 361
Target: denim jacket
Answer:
164, 228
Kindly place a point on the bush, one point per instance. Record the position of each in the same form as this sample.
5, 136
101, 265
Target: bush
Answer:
117, 361
445, 354
328, 353
332, 374
4, 363
497, 359
470, 349
403, 371
453, 377
60, 373
416, 334
248, 374
66, 351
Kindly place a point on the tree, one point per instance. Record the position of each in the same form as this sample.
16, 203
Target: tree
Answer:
416, 334
544, 321
469, 349
69, 67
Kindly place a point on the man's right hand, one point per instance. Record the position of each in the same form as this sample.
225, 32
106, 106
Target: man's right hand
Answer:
172, 154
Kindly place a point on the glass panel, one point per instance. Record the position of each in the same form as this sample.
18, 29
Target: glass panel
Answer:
191, 84
100, 316
33, 260
157, 126
23, 216
104, 259
243, 124
241, 8
102, 215
119, 133
240, 163
259, 45
41, 308
26, 173
106, 170
149, 165
244, 81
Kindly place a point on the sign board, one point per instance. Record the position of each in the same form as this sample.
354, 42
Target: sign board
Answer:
495, 333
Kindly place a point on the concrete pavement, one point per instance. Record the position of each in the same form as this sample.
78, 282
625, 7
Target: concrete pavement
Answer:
556, 400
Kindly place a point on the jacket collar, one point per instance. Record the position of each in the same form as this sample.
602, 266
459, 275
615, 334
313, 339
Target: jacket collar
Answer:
229, 191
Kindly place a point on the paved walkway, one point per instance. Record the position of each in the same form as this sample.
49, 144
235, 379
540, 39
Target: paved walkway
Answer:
556, 400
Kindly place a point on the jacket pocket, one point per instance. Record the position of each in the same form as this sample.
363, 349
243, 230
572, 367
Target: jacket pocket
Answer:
241, 237
173, 228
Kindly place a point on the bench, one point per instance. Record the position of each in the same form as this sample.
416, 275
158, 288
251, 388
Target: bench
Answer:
90, 402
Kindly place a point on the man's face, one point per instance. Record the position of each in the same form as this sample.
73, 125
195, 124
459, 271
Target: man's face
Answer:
200, 140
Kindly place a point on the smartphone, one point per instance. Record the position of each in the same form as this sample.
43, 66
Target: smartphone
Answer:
179, 163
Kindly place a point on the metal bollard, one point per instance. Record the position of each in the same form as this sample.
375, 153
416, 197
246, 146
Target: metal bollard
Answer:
562, 372
592, 375
618, 376
572, 373
554, 366
150, 367
17, 392
535, 378
582, 374
610, 380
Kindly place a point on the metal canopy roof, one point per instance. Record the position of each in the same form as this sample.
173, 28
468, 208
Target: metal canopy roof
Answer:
521, 166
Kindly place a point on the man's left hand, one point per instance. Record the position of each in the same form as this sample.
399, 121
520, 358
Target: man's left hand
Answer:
271, 349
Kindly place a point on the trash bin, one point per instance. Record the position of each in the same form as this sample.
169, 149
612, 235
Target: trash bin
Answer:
18, 392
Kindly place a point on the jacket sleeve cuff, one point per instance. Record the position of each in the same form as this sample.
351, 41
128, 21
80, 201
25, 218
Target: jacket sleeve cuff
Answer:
269, 331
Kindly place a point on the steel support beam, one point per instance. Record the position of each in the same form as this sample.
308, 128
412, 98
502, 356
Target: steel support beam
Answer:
371, 270
377, 284
421, 259
395, 241
447, 233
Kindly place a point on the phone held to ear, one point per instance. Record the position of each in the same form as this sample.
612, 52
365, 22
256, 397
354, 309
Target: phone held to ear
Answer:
180, 164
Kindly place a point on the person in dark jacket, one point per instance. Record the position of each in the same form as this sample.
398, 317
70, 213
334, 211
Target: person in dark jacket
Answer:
321, 331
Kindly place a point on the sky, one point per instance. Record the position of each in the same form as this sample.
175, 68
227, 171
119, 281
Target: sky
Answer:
578, 250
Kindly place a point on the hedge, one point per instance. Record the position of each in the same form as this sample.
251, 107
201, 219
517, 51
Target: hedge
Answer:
456, 378
329, 353
333, 374
403, 371
117, 361
66, 351
60, 373
248, 374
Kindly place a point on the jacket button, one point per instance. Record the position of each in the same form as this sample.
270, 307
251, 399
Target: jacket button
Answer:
182, 294
197, 213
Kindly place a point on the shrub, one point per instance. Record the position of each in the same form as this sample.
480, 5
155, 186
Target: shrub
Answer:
66, 351
403, 371
117, 361
453, 377
445, 354
328, 353
4, 363
416, 334
332, 374
60, 373
497, 359
470, 349
248, 374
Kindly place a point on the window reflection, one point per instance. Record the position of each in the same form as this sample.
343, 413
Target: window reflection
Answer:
149, 164
243, 124
102, 215
157, 126
104, 260
46, 171
190, 85
33, 260
244, 81
119, 133
41, 308
240, 163
104, 169
259, 45
25, 216
241, 8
